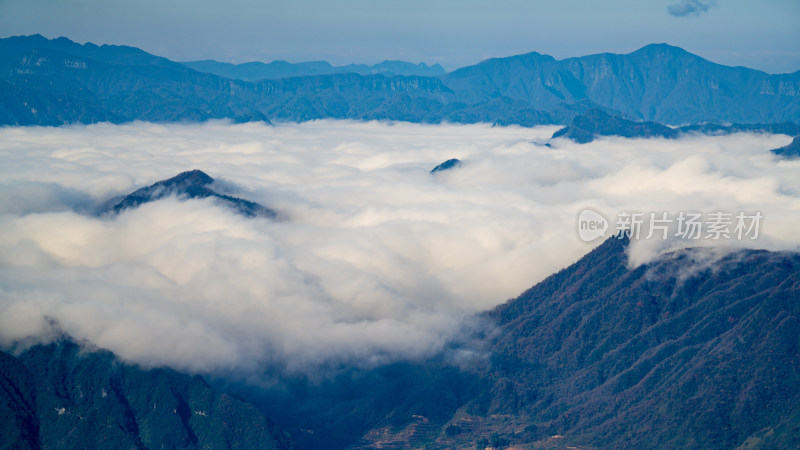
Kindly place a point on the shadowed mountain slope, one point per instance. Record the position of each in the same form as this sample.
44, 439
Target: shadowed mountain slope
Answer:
694, 350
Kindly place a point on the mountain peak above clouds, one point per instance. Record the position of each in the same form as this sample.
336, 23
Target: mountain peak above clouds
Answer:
451, 163
586, 127
193, 184
790, 151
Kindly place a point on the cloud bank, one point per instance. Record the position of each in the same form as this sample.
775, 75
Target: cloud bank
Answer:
690, 8
378, 259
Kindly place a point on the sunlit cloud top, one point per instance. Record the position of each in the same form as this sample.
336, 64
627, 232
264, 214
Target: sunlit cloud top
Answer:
377, 260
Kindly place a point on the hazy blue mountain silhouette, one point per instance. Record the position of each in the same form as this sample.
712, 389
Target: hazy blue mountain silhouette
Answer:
53, 82
588, 126
788, 128
59, 81
255, 71
658, 82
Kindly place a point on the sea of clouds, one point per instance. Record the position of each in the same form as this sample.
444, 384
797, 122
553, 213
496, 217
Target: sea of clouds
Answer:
377, 259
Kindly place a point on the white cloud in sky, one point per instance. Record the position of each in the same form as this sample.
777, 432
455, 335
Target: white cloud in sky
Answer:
685, 8
378, 260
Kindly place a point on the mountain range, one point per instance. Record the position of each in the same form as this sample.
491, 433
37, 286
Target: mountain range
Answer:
53, 82
658, 82
695, 349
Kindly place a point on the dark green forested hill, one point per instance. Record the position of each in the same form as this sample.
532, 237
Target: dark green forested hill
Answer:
681, 353
59, 396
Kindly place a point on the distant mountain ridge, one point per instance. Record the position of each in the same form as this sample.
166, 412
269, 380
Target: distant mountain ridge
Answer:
256, 71
54, 82
588, 126
658, 82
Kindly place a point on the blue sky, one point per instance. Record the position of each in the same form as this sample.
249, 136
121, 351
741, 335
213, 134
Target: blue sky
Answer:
764, 35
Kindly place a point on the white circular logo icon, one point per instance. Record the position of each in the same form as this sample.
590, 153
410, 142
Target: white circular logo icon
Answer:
591, 225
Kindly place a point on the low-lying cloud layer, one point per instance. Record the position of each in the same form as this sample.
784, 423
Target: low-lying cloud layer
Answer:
378, 260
